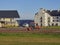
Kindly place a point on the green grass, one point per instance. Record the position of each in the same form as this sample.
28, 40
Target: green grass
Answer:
26, 38
54, 27
31, 35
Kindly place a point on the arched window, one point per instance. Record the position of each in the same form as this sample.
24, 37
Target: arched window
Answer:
36, 24
56, 24
52, 24
41, 19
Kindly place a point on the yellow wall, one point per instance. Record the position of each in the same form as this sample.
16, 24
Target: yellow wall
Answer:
7, 19
14, 22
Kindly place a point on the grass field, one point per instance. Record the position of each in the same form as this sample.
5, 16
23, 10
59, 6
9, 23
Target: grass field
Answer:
27, 38
52, 27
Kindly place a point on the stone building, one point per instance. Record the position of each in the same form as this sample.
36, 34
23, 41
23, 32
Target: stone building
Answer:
47, 17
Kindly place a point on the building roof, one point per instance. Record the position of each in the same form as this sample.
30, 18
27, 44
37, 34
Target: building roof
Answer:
9, 14
54, 12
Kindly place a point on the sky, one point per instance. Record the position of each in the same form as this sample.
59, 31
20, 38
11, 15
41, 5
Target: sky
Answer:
28, 8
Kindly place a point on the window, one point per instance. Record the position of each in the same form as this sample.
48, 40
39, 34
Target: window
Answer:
52, 24
41, 18
48, 19
3, 22
53, 20
41, 24
57, 17
56, 24
41, 21
37, 24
